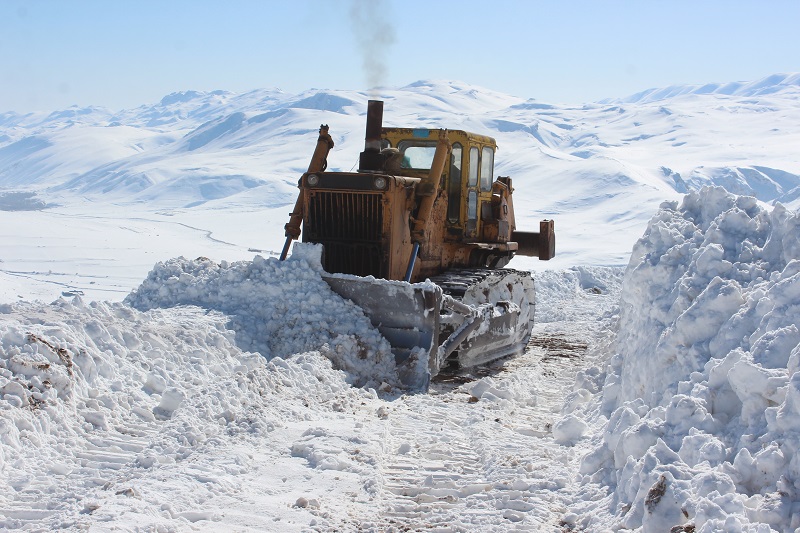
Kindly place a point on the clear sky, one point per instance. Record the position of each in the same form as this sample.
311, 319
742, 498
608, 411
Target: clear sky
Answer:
118, 53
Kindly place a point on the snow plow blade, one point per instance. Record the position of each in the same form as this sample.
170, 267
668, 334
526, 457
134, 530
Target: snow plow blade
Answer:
407, 315
428, 328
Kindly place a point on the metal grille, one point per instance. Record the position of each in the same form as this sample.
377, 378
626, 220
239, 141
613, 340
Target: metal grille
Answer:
358, 259
350, 226
346, 216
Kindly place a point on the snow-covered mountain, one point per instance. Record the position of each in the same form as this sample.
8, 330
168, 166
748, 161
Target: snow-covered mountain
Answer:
765, 86
206, 159
193, 147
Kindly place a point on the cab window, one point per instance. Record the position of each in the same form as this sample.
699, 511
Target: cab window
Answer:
454, 188
417, 155
473, 167
472, 208
487, 168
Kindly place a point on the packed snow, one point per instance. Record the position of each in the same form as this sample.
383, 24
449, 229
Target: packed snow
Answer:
235, 392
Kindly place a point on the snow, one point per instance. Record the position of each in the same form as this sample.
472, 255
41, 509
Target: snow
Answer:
108, 410
699, 401
237, 392
277, 308
159, 420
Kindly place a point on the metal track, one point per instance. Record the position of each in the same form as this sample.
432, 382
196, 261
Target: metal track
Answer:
470, 317
509, 328
458, 281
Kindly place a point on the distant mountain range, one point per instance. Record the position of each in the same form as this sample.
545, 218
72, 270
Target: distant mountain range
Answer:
765, 86
622, 155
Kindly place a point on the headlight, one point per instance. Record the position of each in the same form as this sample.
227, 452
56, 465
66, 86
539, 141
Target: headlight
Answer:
312, 180
380, 183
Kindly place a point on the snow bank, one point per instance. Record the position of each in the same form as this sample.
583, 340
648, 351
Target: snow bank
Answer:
109, 412
277, 308
703, 394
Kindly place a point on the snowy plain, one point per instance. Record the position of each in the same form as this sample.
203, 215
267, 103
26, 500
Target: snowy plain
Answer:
660, 392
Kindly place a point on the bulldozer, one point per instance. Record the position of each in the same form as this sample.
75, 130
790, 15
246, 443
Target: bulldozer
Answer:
418, 237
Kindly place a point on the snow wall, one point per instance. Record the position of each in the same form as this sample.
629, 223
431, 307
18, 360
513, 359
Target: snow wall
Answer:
703, 393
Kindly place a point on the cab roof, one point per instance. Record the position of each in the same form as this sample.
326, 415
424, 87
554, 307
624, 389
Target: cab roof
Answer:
395, 135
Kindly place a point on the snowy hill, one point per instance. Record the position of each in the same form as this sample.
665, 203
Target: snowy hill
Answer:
210, 161
260, 135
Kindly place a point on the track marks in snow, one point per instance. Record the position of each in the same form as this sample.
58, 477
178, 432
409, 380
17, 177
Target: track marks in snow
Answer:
432, 471
480, 456
101, 470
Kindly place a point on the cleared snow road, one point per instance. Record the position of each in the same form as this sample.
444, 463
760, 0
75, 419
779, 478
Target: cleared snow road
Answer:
478, 452
457, 462
159, 421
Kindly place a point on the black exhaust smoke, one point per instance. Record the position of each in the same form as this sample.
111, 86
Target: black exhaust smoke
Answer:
371, 160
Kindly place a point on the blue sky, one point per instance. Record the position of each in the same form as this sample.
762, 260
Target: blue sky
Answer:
115, 53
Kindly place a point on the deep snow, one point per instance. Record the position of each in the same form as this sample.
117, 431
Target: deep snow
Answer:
698, 422
230, 395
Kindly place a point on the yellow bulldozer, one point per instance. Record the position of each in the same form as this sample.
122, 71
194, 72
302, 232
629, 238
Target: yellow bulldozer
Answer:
417, 237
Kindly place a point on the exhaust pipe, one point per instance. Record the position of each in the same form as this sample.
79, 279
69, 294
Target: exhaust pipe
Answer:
371, 160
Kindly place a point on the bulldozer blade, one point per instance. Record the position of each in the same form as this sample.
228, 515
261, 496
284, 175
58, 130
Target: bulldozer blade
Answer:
406, 314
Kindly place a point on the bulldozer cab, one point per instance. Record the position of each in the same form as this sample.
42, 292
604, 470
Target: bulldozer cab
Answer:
467, 179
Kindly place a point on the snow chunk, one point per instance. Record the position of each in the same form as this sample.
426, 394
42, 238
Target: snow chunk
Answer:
569, 430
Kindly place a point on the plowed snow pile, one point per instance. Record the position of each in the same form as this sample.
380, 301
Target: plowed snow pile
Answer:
140, 420
277, 308
703, 394
157, 420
